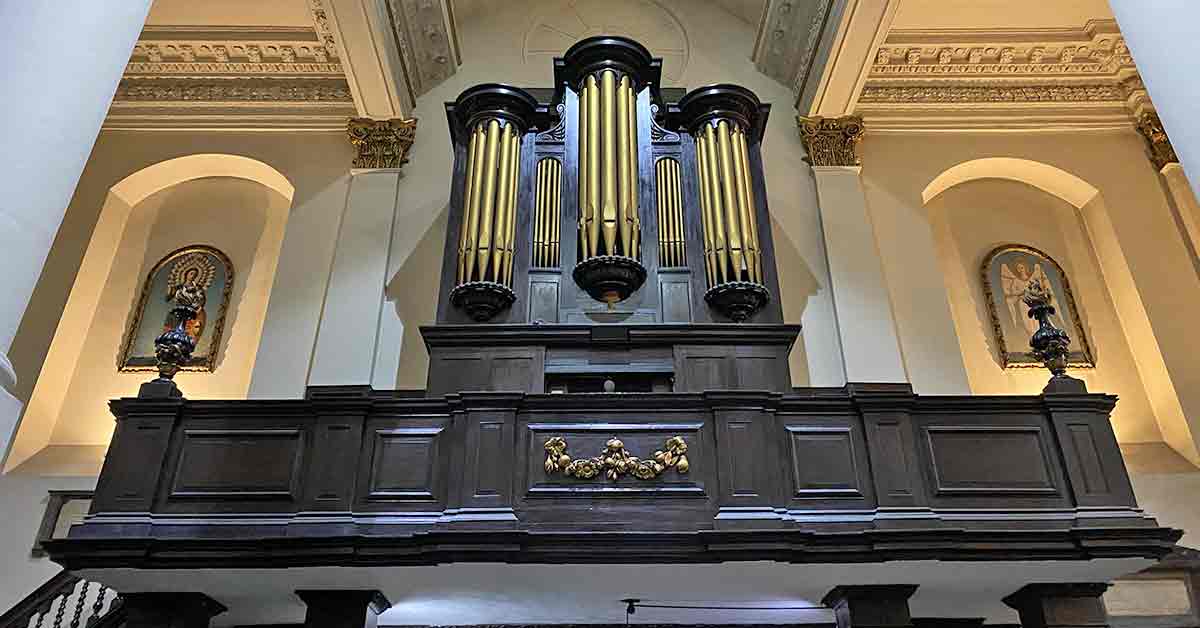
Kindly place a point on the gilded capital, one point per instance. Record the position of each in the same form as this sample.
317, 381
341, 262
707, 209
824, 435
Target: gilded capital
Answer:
381, 143
831, 141
1161, 151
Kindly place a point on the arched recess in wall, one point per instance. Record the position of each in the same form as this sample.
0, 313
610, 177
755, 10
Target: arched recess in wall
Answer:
110, 264
1116, 278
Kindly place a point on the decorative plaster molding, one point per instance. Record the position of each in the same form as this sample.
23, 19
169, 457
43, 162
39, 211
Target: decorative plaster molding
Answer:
976, 78
323, 28
788, 38
236, 89
1161, 152
974, 93
381, 143
831, 141
427, 40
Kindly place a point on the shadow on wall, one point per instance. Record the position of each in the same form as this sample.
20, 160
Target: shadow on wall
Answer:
797, 284
413, 291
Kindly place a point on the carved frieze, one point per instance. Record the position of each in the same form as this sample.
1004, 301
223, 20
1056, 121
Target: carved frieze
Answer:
831, 141
974, 93
233, 90
615, 461
381, 143
787, 40
1157, 142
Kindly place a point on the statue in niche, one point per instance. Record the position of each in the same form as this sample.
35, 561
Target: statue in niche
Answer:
1006, 272
201, 276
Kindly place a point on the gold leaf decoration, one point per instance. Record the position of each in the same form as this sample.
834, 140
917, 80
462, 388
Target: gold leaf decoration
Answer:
616, 461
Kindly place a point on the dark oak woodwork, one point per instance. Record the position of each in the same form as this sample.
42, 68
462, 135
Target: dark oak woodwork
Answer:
863, 473
871, 606
169, 610
1060, 605
342, 608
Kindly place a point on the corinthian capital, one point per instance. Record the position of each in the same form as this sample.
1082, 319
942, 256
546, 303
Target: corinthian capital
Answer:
831, 141
1161, 151
381, 143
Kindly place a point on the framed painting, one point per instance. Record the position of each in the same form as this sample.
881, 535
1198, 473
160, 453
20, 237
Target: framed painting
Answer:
208, 268
1006, 271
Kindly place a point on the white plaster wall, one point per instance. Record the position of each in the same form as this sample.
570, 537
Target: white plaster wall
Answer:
233, 215
720, 48
987, 213
317, 164
897, 168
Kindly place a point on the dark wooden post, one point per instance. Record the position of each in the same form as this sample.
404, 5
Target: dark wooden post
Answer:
169, 610
343, 608
1060, 605
871, 606
947, 622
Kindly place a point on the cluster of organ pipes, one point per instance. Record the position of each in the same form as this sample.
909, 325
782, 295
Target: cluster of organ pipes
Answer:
485, 251
608, 167
547, 209
727, 212
671, 236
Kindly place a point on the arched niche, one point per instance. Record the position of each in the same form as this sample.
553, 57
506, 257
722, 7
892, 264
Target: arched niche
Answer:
1075, 215
236, 203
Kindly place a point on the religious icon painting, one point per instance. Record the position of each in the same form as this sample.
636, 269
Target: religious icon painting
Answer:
196, 268
1006, 271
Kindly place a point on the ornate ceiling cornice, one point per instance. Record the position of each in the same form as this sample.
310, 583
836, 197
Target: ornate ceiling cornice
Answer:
1042, 78
788, 38
428, 44
231, 77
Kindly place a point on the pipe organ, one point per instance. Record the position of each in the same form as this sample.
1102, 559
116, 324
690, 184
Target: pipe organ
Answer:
608, 198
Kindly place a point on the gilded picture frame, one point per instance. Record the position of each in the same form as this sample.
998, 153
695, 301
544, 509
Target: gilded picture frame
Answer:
1004, 273
206, 264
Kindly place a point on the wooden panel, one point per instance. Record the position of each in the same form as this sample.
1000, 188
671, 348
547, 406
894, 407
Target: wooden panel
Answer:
891, 460
515, 373
823, 462
676, 298
135, 462
543, 299
488, 467
453, 370
989, 460
699, 368
1093, 460
330, 471
238, 464
404, 464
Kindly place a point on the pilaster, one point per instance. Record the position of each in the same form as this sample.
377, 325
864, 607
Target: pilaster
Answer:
871, 606
169, 610
354, 297
1060, 605
342, 608
862, 306
1162, 154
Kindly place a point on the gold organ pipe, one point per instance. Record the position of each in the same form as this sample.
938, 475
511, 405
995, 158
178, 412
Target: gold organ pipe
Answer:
747, 188
555, 212
732, 226
593, 164
608, 206
472, 219
661, 192
710, 254
669, 218
584, 170
511, 212
677, 213
487, 208
631, 191
500, 231
539, 234
715, 200
744, 211
468, 197
625, 222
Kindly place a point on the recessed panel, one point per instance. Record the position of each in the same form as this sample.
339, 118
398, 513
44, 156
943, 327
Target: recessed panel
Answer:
238, 464
823, 463
980, 460
403, 465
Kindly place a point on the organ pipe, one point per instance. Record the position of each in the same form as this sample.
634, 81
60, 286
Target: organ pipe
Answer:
547, 207
728, 214
609, 221
489, 206
671, 247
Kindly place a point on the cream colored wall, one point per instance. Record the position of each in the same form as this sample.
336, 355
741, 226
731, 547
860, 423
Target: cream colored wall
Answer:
987, 213
233, 215
897, 167
719, 52
315, 163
